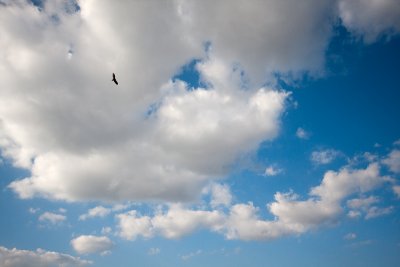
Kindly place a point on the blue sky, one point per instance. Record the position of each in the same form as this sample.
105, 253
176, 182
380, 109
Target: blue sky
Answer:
257, 134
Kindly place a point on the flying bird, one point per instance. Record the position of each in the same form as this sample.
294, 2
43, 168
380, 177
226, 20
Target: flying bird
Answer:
114, 80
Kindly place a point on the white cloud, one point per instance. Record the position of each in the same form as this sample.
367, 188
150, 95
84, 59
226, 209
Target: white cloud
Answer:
371, 18
292, 216
393, 161
92, 140
191, 254
98, 211
131, 225
354, 214
220, 195
33, 210
106, 230
350, 236
362, 203
374, 212
82, 138
272, 171
396, 143
153, 251
39, 258
302, 134
52, 217
178, 222
86, 244
324, 156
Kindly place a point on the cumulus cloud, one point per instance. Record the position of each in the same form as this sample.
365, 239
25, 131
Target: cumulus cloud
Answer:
150, 138
370, 18
52, 218
292, 215
393, 161
39, 258
173, 224
86, 244
89, 141
324, 156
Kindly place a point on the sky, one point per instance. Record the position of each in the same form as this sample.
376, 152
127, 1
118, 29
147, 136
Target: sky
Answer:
241, 133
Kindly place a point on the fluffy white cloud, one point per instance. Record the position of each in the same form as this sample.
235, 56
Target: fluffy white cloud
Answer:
85, 244
173, 224
371, 18
393, 161
52, 217
91, 140
98, 211
39, 258
292, 215
324, 156
178, 221
83, 138
131, 225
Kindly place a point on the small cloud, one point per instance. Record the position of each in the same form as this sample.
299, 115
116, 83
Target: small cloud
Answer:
272, 171
105, 253
52, 218
220, 194
350, 236
354, 214
190, 255
376, 145
360, 244
62, 210
362, 203
393, 161
98, 211
324, 156
33, 210
106, 230
153, 251
374, 212
397, 143
302, 134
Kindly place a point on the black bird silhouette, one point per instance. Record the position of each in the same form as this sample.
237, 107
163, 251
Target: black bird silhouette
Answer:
114, 80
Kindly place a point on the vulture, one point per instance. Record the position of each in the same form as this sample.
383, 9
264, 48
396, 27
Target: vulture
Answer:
114, 80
